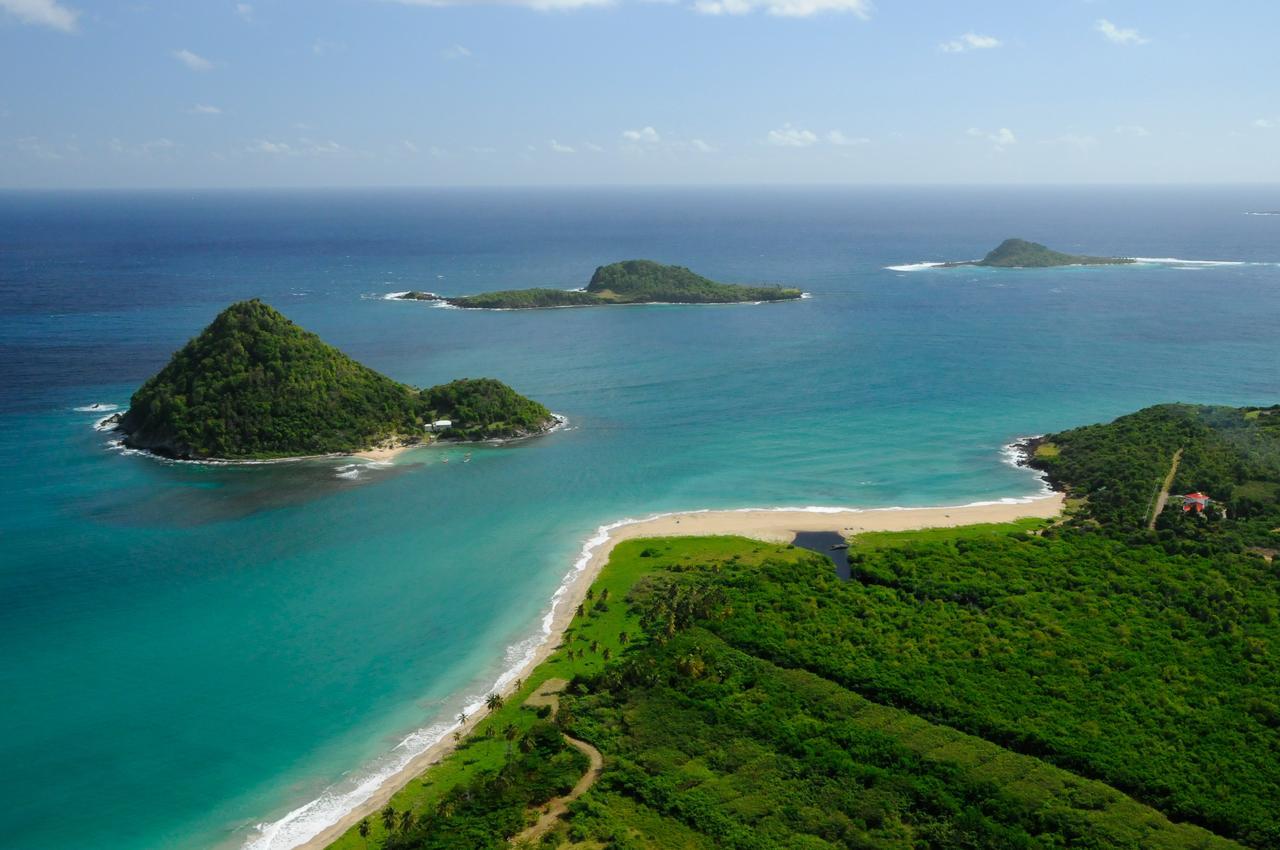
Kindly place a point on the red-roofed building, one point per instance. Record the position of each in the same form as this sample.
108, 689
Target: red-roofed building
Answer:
1195, 502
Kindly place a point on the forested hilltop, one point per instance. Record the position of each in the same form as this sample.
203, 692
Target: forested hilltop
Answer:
1086, 683
628, 282
255, 385
1019, 253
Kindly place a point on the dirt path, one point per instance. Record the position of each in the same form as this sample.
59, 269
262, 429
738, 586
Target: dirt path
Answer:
549, 694
1163, 498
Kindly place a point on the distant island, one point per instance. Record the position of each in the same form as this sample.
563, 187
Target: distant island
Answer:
1021, 254
253, 385
627, 282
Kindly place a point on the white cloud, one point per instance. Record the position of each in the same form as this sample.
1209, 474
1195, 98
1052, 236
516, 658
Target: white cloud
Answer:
457, 51
1118, 35
34, 147
245, 11
1135, 130
204, 109
304, 147
1001, 138
839, 139
1267, 123
784, 8
269, 147
192, 60
45, 13
409, 146
146, 149
539, 5
787, 136
969, 41
593, 147
645, 135
700, 146
559, 148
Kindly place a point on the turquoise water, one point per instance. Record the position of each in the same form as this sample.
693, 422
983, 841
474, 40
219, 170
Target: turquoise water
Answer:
189, 651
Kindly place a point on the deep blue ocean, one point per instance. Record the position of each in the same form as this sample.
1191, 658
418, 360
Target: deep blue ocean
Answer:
188, 651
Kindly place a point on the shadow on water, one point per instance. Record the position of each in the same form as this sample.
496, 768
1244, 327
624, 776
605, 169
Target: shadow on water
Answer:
188, 495
829, 544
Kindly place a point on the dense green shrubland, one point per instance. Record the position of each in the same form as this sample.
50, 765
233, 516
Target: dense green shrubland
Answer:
1091, 684
644, 280
255, 385
483, 408
628, 282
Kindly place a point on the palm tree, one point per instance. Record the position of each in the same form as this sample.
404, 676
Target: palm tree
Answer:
608, 653
604, 595
363, 830
462, 717
510, 732
494, 702
406, 820
389, 817
624, 638
591, 593
595, 646
581, 611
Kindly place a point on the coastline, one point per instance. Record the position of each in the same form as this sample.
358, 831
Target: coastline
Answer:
444, 303
774, 525
385, 453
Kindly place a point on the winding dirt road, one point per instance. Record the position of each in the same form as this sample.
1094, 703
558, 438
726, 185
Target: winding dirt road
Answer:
549, 694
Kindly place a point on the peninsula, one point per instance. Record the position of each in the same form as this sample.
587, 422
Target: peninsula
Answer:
1095, 668
253, 385
1021, 254
627, 282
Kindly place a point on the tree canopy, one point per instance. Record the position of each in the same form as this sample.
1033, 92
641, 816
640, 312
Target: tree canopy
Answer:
255, 385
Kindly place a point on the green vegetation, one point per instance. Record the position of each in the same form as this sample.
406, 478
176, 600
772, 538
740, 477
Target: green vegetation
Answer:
641, 281
1019, 253
1086, 683
803, 707
1231, 454
483, 409
527, 299
255, 385
629, 282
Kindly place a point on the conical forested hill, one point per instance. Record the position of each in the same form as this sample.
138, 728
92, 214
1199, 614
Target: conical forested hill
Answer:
253, 384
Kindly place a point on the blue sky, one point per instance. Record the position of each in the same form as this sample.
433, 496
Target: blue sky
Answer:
179, 93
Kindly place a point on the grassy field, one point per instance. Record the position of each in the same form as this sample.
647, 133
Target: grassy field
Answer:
882, 539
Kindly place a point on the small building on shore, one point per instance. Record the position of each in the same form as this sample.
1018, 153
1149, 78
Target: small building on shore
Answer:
1195, 502
440, 425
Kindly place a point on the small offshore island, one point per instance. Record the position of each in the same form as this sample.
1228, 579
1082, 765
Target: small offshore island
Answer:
255, 386
627, 282
1021, 254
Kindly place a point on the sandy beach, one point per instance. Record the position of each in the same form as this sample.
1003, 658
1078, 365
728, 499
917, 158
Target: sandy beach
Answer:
772, 525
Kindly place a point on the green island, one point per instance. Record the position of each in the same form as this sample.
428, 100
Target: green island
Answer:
627, 282
1109, 679
253, 385
1021, 254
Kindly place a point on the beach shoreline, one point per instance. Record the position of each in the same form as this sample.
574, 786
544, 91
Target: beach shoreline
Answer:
385, 453
773, 525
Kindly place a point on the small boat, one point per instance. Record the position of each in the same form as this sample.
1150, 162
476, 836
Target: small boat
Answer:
467, 458
444, 460
836, 546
